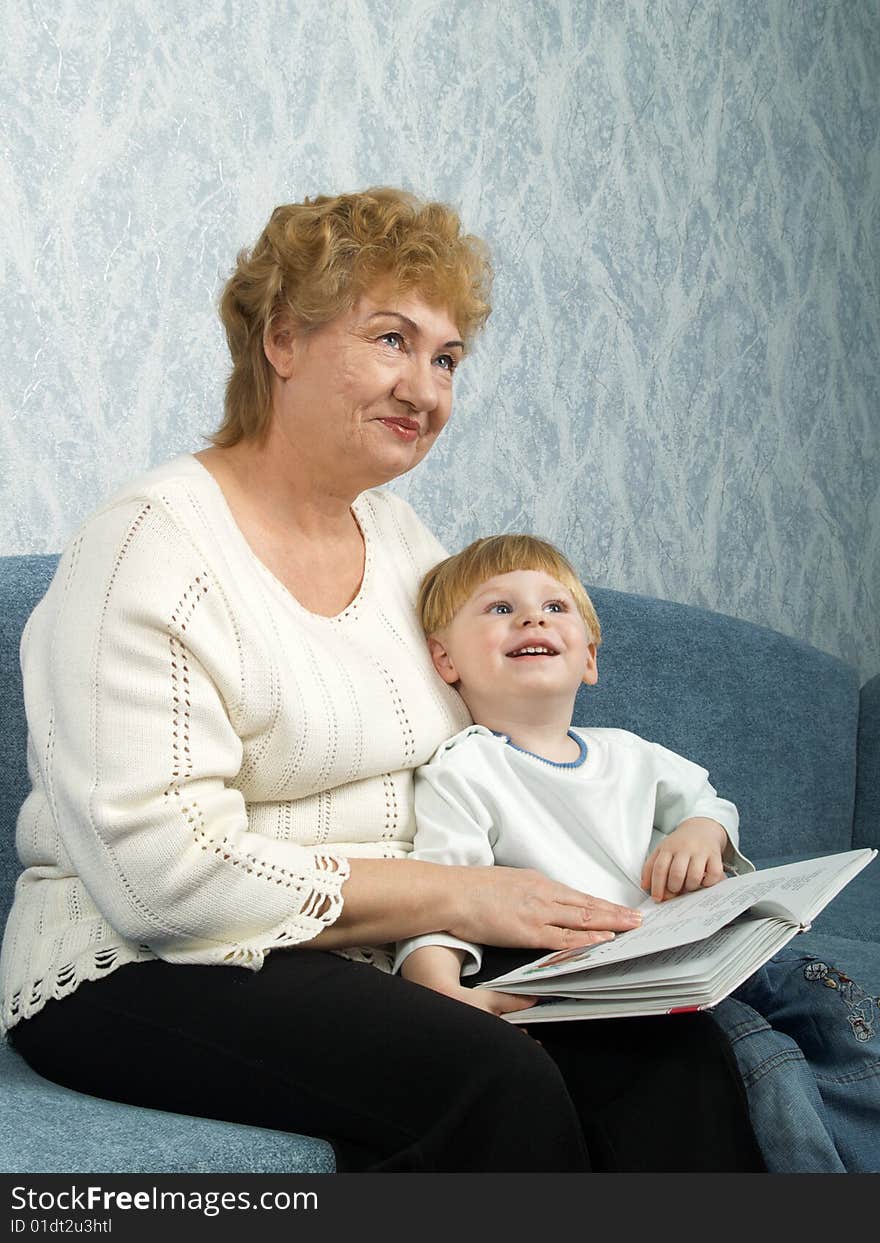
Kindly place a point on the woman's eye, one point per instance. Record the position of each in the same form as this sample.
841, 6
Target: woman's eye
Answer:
393, 338
447, 362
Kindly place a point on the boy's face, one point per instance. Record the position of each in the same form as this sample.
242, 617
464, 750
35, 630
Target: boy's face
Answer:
519, 632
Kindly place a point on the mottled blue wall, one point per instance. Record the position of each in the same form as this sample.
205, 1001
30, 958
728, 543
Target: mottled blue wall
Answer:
680, 380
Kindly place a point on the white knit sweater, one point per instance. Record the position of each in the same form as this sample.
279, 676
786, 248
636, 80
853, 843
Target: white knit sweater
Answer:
205, 754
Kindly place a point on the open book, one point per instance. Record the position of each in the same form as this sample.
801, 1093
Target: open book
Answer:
690, 952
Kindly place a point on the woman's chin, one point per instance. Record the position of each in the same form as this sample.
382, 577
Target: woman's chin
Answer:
395, 460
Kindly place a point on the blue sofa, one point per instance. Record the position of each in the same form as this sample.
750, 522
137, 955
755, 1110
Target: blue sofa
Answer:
785, 731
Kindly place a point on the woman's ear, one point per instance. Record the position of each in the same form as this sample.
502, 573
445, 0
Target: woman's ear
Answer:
442, 661
591, 668
278, 339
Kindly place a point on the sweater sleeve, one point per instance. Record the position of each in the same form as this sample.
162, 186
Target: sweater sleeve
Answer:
132, 671
452, 827
683, 790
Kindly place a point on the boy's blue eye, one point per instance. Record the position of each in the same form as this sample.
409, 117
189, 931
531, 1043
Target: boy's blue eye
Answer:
500, 607
555, 606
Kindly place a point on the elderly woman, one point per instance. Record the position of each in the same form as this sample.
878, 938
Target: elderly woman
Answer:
227, 694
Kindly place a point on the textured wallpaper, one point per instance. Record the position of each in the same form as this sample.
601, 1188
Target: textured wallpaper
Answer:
679, 383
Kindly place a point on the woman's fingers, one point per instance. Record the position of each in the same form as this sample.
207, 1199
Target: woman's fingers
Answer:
576, 897
583, 910
592, 915
522, 907
556, 938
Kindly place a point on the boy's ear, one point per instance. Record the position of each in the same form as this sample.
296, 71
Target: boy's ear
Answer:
591, 669
442, 660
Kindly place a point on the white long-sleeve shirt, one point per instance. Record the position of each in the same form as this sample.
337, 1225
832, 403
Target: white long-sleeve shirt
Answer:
589, 824
206, 754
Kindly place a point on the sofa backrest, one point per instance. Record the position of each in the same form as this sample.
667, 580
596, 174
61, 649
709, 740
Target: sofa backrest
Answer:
774, 720
866, 827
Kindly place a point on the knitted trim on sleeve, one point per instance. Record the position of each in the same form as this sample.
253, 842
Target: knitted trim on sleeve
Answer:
379, 956
321, 907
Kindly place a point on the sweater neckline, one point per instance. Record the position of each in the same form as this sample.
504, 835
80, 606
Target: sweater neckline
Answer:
360, 511
582, 751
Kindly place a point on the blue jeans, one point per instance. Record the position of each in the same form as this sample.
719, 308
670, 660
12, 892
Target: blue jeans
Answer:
807, 1042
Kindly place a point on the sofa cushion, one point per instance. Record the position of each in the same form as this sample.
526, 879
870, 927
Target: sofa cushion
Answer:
50, 1129
772, 719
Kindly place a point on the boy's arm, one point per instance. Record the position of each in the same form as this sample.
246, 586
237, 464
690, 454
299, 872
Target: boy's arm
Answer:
435, 966
452, 827
439, 967
699, 831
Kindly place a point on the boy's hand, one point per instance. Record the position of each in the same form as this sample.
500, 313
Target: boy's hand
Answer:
439, 967
689, 858
487, 999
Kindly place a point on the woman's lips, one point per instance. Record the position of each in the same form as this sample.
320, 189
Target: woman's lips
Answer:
406, 429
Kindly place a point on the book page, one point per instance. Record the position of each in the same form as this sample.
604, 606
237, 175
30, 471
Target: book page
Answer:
646, 987
736, 956
741, 947
796, 892
667, 967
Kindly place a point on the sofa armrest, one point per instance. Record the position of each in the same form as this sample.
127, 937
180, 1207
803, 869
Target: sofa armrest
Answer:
866, 818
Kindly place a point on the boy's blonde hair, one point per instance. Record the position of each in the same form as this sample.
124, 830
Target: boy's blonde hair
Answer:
446, 587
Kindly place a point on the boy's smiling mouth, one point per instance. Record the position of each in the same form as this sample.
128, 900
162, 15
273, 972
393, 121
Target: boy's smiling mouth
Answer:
533, 649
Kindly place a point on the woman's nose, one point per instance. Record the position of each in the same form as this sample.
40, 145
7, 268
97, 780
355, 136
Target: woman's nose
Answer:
417, 385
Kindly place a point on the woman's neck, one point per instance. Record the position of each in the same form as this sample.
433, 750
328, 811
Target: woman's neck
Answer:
278, 491
305, 534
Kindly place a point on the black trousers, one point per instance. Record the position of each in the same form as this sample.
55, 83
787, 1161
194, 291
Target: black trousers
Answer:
395, 1076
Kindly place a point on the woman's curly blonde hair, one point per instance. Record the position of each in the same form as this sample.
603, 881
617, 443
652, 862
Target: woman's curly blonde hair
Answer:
314, 260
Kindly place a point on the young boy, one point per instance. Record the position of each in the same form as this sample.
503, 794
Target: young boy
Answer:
510, 626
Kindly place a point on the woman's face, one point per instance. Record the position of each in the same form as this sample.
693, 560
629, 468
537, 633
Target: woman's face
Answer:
367, 394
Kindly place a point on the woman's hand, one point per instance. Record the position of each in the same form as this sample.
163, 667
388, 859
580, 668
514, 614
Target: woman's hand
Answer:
392, 899
523, 908
689, 858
